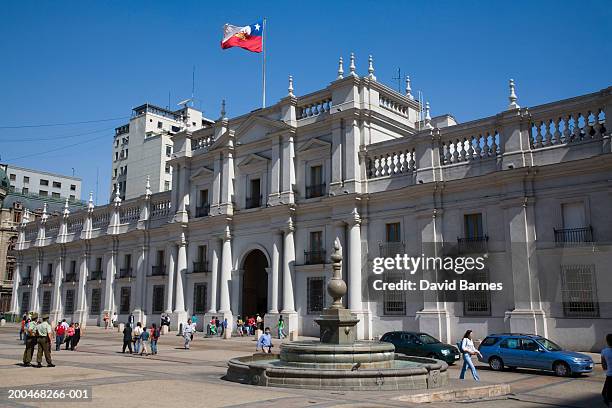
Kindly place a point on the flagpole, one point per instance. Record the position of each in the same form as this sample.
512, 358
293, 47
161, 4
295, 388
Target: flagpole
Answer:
263, 65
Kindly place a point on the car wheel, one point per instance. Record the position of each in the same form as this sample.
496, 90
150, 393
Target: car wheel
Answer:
496, 364
562, 369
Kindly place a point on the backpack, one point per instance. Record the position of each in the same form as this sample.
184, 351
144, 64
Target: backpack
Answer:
460, 346
156, 334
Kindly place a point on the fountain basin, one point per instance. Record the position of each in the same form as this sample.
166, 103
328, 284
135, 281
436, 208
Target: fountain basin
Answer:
314, 354
404, 372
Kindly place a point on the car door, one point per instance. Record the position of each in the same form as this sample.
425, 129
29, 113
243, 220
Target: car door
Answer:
408, 344
510, 351
395, 339
531, 357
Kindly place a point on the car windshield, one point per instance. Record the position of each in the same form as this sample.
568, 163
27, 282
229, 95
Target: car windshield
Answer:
427, 339
549, 345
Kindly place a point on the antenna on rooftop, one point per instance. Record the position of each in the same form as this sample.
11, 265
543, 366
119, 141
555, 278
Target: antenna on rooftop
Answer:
421, 116
399, 80
192, 83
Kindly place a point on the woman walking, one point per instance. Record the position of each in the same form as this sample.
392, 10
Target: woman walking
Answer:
468, 350
155, 333
76, 337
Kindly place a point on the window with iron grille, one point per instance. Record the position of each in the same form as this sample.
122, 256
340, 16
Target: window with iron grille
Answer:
316, 294
158, 299
394, 302
477, 303
69, 303
579, 291
46, 302
96, 299
199, 298
124, 300
25, 302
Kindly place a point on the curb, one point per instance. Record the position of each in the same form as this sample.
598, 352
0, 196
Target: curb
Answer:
486, 391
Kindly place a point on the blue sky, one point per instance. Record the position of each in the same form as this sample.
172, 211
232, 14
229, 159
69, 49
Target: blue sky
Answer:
83, 61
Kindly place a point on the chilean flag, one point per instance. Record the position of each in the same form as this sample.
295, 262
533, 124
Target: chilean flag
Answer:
249, 37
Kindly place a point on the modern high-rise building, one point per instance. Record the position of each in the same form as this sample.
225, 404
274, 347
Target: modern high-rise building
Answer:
142, 148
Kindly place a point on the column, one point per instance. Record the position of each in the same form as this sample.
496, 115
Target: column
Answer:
35, 285
226, 272
288, 263
171, 254
214, 272
354, 287
141, 264
337, 159
81, 311
276, 248
111, 269
56, 309
181, 269
15, 295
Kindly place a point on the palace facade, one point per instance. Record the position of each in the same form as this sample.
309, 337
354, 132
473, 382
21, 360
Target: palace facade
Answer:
258, 200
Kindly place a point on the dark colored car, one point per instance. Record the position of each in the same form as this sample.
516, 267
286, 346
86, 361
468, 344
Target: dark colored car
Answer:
422, 345
531, 351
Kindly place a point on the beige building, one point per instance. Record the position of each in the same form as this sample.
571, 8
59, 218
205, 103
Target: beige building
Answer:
257, 201
143, 147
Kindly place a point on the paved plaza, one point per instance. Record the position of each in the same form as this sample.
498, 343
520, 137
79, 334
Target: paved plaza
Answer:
176, 377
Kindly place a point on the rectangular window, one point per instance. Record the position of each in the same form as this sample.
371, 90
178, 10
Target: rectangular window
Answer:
316, 254
158, 299
44, 182
127, 261
166, 186
203, 197
55, 195
43, 193
167, 168
46, 302
116, 156
13, 177
254, 199
168, 151
124, 304
72, 187
73, 267
25, 302
25, 190
392, 232
199, 298
473, 226
57, 184
98, 264
477, 303
579, 291
26, 179
96, 299
160, 125
315, 187
69, 303
316, 294
202, 253
316, 240
72, 197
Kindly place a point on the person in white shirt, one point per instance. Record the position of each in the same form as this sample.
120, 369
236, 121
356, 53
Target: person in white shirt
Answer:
136, 336
187, 333
468, 350
113, 319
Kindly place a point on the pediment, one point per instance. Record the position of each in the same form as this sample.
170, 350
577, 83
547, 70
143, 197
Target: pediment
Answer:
257, 128
314, 144
253, 160
202, 172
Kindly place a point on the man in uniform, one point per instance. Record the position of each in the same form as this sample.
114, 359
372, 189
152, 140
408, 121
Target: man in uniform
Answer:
44, 331
30, 341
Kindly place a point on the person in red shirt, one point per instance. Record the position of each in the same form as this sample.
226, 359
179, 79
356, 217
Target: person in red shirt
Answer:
155, 333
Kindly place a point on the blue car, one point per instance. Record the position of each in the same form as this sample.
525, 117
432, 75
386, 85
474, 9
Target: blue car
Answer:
530, 351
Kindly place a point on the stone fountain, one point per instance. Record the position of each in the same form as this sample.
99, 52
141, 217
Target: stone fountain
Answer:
338, 360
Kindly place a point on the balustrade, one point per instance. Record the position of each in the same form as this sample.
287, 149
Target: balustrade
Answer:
392, 163
75, 225
567, 127
160, 208
101, 220
52, 227
481, 145
315, 108
393, 105
202, 142
129, 215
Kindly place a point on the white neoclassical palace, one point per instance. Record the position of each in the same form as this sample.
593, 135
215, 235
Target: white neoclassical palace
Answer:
258, 200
